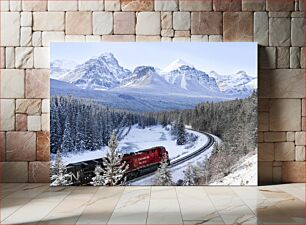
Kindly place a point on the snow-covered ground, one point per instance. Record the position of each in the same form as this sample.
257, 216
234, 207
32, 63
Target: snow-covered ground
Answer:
244, 172
138, 139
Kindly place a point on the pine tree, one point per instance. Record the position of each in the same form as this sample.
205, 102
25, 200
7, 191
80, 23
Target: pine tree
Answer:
59, 176
114, 169
189, 176
67, 144
98, 180
163, 176
181, 133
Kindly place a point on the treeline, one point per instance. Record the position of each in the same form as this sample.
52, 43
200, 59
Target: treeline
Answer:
79, 125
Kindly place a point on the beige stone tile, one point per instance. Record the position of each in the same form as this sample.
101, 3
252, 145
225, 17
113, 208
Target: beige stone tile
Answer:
166, 20
215, 38
283, 57
265, 152
295, 57
20, 146
167, 33
12, 83
28, 106
300, 138
112, 5
105, 18
24, 57
132, 207
45, 122
43, 146
124, 22
14, 172
145, 28
181, 39
39, 172
37, 38
206, 23
91, 5
48, 21
285, 115
274, 136
41, 57
204, 5
93, 38
293, 172
279, 33
297, 32
281, 83
230, 5
181, 21
137, 5
26, 19
52, 36
166, 39
261, 28
7, 114
34, 5
37, 83
170, 5
290, 136
5, 5
284, 151
34, 123
143, 38
263, 121
78, 23
201, 38
267, 57
279, 5
300, 153
25, 36
21, 122
55, 5
253, 5
45, 106
10, 29
238, 26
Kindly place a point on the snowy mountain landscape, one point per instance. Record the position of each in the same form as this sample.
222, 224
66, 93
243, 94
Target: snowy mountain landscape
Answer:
178, 82
118, 119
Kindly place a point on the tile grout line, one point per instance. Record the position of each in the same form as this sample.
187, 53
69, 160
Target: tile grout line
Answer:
149, 205
178, 201
107, 222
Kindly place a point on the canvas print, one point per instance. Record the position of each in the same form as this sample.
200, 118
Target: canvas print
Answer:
153, 114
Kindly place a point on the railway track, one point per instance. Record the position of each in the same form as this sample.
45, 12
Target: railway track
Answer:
177, 162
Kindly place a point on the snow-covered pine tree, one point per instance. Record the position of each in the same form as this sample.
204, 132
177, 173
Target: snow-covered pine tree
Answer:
189, 176
59, 176
114, 169
67, 144
181, 133
163, 175
98, 180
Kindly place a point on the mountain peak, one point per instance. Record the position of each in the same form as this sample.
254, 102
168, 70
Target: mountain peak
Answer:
176, 65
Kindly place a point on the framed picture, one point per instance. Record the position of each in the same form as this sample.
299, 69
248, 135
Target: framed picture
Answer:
153, 113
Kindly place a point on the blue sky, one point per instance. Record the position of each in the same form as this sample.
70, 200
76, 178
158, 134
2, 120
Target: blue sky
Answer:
224, 58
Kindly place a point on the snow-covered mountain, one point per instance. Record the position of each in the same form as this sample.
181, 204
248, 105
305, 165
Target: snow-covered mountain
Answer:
60, 67
187, 77
101, 73
178, 78
175, 65
237, 84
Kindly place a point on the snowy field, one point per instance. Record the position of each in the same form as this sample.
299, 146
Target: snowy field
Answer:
138, 139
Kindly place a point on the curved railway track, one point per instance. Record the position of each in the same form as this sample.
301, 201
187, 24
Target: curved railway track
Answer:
173, 163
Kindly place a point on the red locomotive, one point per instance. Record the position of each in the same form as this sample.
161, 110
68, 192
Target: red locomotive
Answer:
145, 161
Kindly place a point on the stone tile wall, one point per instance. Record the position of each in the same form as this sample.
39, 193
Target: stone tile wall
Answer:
28, 27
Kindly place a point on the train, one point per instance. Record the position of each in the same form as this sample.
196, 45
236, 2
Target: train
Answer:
139, 163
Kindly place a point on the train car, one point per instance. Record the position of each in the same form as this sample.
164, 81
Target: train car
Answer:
140, 163
145, 161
